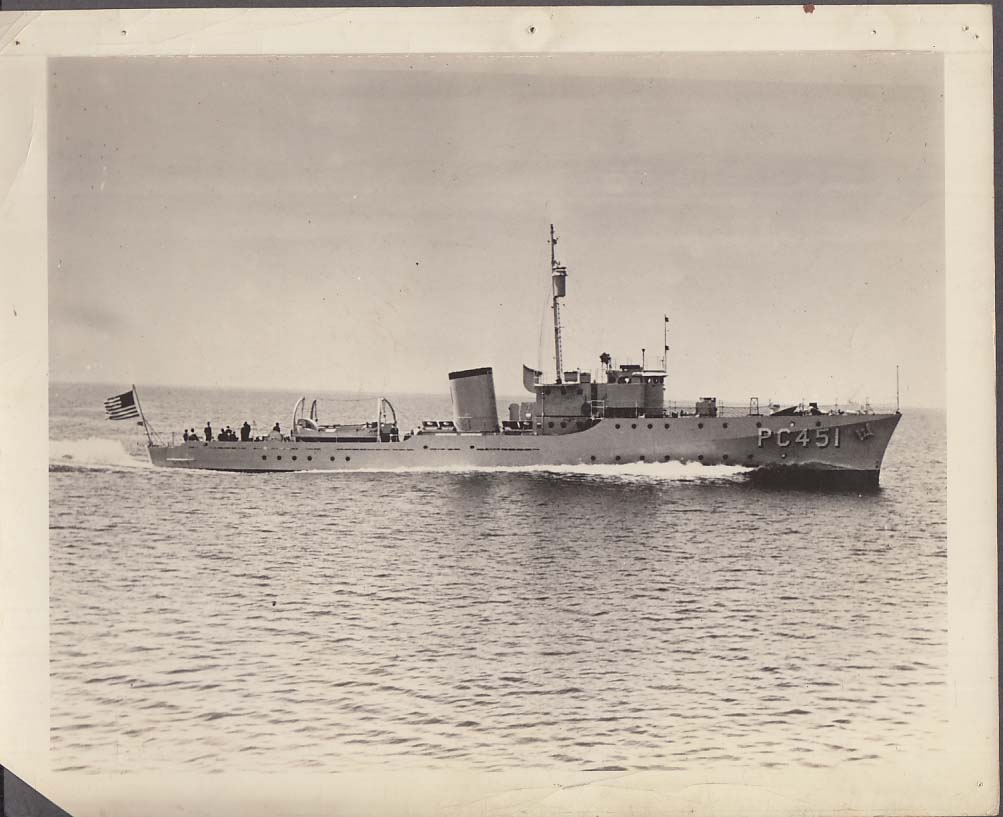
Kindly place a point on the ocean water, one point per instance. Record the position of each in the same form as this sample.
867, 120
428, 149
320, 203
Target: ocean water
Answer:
646, 616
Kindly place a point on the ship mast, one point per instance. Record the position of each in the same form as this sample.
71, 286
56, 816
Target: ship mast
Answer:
558, 277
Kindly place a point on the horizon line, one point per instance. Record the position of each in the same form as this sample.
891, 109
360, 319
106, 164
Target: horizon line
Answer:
404, 392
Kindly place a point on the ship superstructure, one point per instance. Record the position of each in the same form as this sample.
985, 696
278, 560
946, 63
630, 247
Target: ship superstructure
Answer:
616, 415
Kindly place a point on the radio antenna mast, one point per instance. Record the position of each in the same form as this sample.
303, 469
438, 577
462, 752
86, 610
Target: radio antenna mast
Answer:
665, 341
558, 277
897, 389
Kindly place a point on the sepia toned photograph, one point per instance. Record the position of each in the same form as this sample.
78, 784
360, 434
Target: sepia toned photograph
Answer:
426, 415
447, 555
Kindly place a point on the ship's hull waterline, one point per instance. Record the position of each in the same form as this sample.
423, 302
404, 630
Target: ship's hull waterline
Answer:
825, 449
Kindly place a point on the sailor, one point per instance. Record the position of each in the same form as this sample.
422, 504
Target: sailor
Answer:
222, 435
186, 435
245, 432
192, 436
230, 436
208, 430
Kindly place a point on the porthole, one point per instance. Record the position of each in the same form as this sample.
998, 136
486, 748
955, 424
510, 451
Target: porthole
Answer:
699, 425
700, 457
642, 457
724, 425
650, 425
618, 458
279, 457
264, 456
593, 458
550, 424
633, 425
564, 424
309, 459
348, 459
294, 458
424, 446
617, 425
818, 423
332, 458
724, 457
471, 448
666, 426
667, 457
759, 425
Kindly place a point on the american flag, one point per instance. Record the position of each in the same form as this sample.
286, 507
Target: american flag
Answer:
121, 406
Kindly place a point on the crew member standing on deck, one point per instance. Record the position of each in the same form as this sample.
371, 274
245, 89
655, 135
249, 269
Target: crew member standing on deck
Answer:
208, 430
245, 432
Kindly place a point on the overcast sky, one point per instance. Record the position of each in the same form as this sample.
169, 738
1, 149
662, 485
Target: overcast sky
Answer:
371, 223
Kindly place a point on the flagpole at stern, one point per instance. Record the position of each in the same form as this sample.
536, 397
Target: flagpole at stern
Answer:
146, 426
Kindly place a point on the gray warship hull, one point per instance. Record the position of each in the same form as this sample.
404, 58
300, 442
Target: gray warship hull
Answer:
828, 449
614, 416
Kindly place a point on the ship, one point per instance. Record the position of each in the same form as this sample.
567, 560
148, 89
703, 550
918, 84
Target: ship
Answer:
614, 415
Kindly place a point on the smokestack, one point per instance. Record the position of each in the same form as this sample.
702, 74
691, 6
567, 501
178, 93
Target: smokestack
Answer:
475, 408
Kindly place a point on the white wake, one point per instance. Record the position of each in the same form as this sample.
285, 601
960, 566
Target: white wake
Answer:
94, 452
635, 471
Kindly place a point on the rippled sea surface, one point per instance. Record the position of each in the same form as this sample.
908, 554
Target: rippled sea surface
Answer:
638, 617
